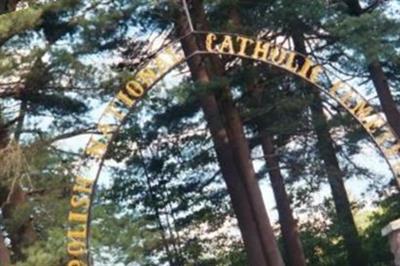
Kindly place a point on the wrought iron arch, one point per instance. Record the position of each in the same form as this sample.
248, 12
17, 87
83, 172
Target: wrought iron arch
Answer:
164, 61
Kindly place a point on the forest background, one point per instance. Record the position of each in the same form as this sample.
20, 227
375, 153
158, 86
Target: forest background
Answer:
214, 139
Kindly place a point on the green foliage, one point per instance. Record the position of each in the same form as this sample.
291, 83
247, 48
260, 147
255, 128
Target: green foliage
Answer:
369, 35
378, 246
167, 203
50, 251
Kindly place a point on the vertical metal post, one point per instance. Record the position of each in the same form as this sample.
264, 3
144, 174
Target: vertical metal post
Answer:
185, 7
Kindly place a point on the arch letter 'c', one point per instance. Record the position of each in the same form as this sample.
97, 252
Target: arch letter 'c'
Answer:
227, 45
211, 38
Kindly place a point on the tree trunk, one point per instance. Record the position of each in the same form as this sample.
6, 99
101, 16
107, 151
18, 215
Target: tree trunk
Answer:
236, 189
4, 136
388, 104
379, 79
24, 235
7, 6
355, 252
242, 158
4, 252
291, 239
157, 211
241, 150
290, 234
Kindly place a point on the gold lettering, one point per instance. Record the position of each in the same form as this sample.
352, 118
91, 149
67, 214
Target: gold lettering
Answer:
76, 263
211, 37
373, 123
76, 248
78, 234
335, 87
125, 99
163, 64
146, 76
393, 150
290, 61
77, 202
160, 64
384, 137
315, 72
280, 55
344, 98
243, 42
172, 55
361, 110
273, 53
77, 217
396, 169
112, 109
106, 129
261, 50
83, 185
227, 45
96, 148
305, 68
134, 89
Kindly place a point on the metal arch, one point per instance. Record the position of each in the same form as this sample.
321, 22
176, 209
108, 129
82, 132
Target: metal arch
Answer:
185, 59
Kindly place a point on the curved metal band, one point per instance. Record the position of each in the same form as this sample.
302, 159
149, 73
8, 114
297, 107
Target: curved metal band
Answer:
171, 56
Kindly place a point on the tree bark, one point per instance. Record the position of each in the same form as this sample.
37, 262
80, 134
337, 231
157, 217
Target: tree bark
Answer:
379, 78
355, 252
4, 136
4, 252
24, 235
388, 104
7, 6
241, 150
326, 149
5, 256
236, 189
161, 227
241, 153
290, 233
325, 146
